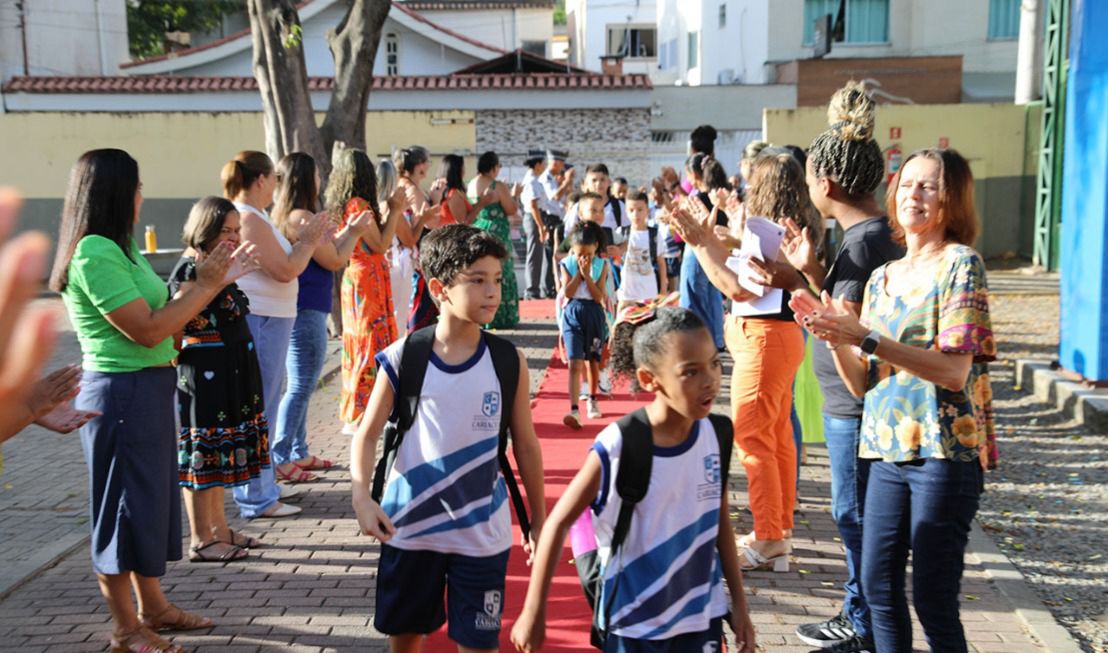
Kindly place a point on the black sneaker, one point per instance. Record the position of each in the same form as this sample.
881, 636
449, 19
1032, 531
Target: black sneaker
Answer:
855, 644
828, 633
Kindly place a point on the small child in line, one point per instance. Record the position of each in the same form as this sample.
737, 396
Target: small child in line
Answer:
584, 330
443, 520
666, 578
644, 265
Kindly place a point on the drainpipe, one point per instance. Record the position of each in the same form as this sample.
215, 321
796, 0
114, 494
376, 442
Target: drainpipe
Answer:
21, 6
99, 34
1029, 62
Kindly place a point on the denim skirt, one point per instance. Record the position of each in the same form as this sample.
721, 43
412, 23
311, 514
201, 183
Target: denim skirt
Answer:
131, 453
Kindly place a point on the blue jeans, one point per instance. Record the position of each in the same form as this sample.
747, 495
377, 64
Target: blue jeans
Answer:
849, 475
303, 364
271, 341
701, 297
925, 506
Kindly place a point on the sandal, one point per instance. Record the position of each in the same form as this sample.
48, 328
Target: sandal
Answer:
244, 541
752, 560
174, 618
295, 475
142, 640
315, 462
233, 552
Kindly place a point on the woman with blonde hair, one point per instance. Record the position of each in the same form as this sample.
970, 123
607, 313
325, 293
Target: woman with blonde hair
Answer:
916, 357
368, 316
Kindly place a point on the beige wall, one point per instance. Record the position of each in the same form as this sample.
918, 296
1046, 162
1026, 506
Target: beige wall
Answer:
180, 154
999, 140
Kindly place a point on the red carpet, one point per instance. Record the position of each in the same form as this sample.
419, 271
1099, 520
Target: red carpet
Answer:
567, 628
536, 309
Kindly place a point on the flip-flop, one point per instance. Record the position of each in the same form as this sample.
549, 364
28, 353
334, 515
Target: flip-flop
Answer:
244, 541
316, 463
235, 552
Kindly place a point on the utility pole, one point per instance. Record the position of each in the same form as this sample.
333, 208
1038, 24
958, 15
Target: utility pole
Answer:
1029, 68
20, 6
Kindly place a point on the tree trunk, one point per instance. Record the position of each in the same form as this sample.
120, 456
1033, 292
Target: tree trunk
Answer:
282, 77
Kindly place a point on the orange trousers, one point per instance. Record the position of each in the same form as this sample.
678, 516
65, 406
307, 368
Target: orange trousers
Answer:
767, 354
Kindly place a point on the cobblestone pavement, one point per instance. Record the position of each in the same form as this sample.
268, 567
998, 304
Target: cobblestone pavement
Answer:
310, 588
1046, 506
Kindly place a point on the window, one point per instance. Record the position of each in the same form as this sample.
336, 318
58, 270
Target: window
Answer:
723, 15
632, 41
534, 47
392, 54
694, 50
1004, 19
867, 21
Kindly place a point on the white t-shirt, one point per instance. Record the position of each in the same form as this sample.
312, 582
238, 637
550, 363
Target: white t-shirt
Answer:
638, 282
268, 296
671, 578
445, 491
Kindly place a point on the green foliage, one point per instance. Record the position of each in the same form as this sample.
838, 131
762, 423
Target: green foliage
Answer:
294, 38
149, 20
560, 12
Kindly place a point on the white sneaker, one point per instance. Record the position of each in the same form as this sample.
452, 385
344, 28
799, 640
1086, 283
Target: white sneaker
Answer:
572, 420
594, 409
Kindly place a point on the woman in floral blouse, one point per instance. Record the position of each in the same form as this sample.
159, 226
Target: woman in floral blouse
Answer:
918, 356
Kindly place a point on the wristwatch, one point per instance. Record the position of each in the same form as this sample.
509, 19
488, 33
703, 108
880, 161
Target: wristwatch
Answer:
869, 343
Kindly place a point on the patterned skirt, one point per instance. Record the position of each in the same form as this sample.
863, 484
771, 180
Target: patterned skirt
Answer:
224, 437
368, 326
507, 315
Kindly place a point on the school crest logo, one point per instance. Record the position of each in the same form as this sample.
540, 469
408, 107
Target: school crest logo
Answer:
711, 647
490, 619
712, 468
490, 405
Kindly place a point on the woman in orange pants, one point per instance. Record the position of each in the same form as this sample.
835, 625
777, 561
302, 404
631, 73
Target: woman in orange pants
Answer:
767, 351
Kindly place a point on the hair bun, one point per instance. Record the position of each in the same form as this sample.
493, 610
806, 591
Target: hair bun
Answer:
852, 113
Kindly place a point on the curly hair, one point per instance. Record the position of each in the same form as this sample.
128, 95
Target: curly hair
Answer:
778, 190
640, 345
846, 152
448, 250
352, 176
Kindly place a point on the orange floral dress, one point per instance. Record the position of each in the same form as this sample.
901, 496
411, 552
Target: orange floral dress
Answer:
368, 320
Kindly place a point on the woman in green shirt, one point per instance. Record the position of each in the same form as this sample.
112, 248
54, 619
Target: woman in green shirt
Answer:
125, 324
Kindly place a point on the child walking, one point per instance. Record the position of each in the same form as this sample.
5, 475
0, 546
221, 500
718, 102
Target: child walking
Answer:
443, 520
662, 592
584, 331
644, 265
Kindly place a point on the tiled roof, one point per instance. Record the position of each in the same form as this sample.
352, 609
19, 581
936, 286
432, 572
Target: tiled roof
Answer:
465, 5
408, 8
167, 84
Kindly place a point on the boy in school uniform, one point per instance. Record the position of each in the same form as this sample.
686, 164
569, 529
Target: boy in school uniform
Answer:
443, 520
644, 265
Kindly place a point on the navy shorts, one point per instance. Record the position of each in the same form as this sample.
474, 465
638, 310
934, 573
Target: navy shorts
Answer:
673, 267
411, 586
705, 640
583, 329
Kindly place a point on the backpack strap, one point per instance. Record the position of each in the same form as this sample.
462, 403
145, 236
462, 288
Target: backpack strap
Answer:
616, 212
505, 361
653, 247
415, 355
724, 429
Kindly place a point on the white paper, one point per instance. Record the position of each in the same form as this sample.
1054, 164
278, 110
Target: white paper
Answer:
761, 239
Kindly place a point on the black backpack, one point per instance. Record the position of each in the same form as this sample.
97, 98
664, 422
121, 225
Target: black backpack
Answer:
632, 482
414, 358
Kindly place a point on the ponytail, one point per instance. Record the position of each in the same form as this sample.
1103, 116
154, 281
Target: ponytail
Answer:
240, 173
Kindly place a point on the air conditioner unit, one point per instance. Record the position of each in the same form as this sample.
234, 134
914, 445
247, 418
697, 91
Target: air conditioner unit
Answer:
726, 76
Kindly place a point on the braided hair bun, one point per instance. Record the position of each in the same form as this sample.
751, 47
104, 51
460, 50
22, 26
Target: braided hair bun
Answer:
846, 152
852, 112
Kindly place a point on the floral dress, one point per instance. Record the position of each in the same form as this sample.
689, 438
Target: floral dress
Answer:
907, 418
493, 220
224, 437
368, 320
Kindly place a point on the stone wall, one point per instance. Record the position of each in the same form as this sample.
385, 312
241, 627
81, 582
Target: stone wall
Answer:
619, 138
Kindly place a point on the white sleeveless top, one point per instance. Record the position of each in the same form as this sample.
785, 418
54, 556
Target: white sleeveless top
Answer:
670, 576
445, 492
269, 297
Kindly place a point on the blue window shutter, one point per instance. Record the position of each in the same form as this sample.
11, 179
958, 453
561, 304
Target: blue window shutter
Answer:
867, 21
1004, 19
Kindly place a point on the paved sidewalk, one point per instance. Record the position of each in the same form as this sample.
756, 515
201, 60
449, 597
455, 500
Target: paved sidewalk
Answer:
311, 587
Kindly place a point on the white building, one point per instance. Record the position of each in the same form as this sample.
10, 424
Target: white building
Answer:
739, 41
62, 37
613, 28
